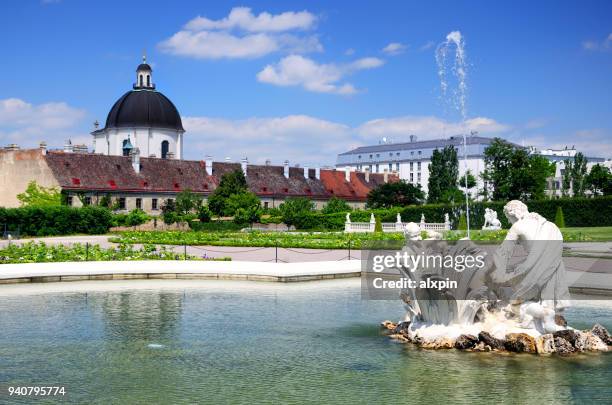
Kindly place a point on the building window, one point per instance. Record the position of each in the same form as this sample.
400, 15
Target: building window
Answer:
419, 152
126, 150
359, 156
148, 80
139, 203
411, 177
412, 153
418, 165
397, 154
370, 168
87, 201
390, 153
69, 200
397, 167
419, 178
140, 79
370, 156
122, 203
266, 204
154, 204
390, 166
378, 155
411, 165
377, 168
164, 149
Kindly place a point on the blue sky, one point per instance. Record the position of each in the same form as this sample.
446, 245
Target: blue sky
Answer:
306, 80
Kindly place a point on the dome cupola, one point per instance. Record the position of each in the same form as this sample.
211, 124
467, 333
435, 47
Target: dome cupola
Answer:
144, 75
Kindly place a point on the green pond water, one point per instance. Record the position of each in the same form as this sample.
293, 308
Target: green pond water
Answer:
236, 342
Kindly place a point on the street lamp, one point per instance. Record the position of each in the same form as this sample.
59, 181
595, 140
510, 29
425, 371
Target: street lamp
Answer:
467, 198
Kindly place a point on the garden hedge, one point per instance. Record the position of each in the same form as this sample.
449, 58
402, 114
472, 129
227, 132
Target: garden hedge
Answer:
51, 221
578, 212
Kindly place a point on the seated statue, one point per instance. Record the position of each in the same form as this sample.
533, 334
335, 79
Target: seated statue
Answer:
536, 288
491, 221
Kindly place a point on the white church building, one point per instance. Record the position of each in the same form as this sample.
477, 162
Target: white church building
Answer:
142, 118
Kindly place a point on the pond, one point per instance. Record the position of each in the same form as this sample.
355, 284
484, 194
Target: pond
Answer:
249, 342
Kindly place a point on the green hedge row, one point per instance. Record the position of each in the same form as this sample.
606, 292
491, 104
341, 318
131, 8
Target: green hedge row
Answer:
51, 221
578, 212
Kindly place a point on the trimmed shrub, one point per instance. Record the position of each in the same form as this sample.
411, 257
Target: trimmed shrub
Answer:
58, 220
559, 219
378, 225
462, 226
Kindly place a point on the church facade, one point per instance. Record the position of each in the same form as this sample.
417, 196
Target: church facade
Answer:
137, 161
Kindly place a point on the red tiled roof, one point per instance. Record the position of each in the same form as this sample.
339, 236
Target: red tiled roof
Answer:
76, 171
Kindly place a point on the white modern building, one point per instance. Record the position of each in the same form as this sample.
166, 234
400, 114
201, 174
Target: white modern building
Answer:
411, 159
559, 156
142, 118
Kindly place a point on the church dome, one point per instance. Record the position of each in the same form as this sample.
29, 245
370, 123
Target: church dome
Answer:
144, 108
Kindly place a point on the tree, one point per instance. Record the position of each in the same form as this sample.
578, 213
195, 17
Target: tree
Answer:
204, 214
443, 173
462, 226
169, 212
599, 180
187, 203
336, 204
245, 207
395, 194
579, 173
513, 173
38, 196
559, 218
378, 225
231, 183
294, 208
471, 181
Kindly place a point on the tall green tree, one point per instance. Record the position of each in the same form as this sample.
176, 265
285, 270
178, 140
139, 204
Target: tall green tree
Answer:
294, 208
512, 173
395, 194
443, 173
579, 173
231, 183
38, 196
599, 180
334, 205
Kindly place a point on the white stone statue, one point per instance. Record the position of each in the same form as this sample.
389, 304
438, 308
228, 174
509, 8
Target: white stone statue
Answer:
538, 284
491, 221
348, 218
412, 231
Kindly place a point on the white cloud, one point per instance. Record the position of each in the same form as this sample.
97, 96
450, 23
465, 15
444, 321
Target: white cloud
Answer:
605, 45
214, 45
394, 48
243, 18
427, 45
298, 138
27, 124
308, 140
399, 128
259, 35
296, 70
349, 52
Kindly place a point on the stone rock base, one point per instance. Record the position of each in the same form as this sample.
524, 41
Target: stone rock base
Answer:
564, 342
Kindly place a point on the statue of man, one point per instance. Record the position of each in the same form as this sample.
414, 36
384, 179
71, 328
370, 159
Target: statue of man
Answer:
540, 278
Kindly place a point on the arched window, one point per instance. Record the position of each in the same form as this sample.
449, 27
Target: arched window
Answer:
148, 80
164, 149
140, 78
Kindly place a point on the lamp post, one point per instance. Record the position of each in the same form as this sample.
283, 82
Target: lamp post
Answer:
467, 198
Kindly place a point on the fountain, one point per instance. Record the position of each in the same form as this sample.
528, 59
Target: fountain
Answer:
499, 305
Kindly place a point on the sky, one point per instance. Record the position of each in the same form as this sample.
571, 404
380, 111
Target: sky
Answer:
304, 81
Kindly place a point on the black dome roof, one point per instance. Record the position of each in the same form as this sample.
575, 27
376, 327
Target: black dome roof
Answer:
144, 108
144, 66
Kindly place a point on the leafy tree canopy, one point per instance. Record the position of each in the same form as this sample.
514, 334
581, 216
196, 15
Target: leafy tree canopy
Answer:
395, 194
334, 205
231, 183
443, 173
292, 209
38, 196
599, 180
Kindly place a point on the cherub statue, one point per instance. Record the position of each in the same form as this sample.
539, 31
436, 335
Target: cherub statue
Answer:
491, 221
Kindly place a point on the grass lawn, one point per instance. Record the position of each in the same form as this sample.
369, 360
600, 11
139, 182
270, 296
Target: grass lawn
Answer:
323, 240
